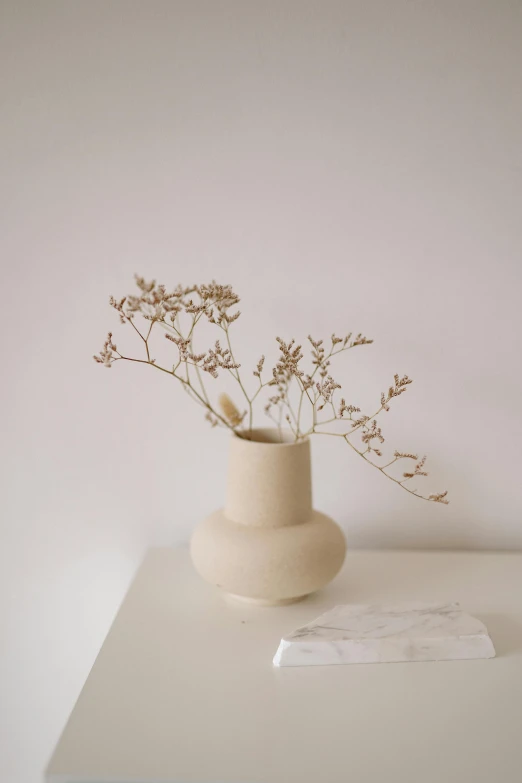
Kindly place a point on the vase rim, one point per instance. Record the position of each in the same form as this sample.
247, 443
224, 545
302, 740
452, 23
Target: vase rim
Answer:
270, 436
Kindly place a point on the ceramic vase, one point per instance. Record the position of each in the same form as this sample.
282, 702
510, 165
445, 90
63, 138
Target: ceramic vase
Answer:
268, 545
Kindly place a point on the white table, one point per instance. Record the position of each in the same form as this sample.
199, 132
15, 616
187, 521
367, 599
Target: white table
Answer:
184, 690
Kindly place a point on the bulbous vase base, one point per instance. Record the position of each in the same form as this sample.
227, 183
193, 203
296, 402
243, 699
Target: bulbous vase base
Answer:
266, 565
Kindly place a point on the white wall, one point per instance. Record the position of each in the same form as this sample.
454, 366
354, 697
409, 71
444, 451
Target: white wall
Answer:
346, 166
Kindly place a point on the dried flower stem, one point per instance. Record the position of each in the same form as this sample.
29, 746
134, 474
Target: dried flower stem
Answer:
185, 383
214, 302
236, 375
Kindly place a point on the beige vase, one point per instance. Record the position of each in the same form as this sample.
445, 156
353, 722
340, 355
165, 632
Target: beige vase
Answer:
268, 545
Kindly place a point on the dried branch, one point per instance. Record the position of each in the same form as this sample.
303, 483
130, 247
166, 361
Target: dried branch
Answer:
217, 305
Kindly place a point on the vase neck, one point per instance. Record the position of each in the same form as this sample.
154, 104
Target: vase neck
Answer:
269, 484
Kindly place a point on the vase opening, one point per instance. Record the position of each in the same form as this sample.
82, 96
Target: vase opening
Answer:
271, 435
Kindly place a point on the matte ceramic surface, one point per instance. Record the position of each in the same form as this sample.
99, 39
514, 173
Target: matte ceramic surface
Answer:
268, 544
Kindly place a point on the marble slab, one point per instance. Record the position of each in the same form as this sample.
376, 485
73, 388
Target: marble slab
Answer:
381, 634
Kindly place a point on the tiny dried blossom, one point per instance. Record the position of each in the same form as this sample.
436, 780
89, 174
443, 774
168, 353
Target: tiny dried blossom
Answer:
288, 363
183, 346
118, 306
418, 470
216, 300
281, 383
319, 358
210, 361
218, 358
195, 358
403, 455
105, 356
229, 319
194, 309
439, 497
326, 389
259, 367
145, 287
396, 390
371, 433
153, 303
285, 369
344, 408
360, 340
220, 296
307, 382
347, 342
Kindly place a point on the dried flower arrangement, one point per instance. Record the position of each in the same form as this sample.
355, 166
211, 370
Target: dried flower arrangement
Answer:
179, 312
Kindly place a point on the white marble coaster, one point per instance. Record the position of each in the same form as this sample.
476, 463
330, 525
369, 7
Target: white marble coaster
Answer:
381, 634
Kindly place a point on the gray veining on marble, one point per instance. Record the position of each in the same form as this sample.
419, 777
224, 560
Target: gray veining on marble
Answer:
379, 634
